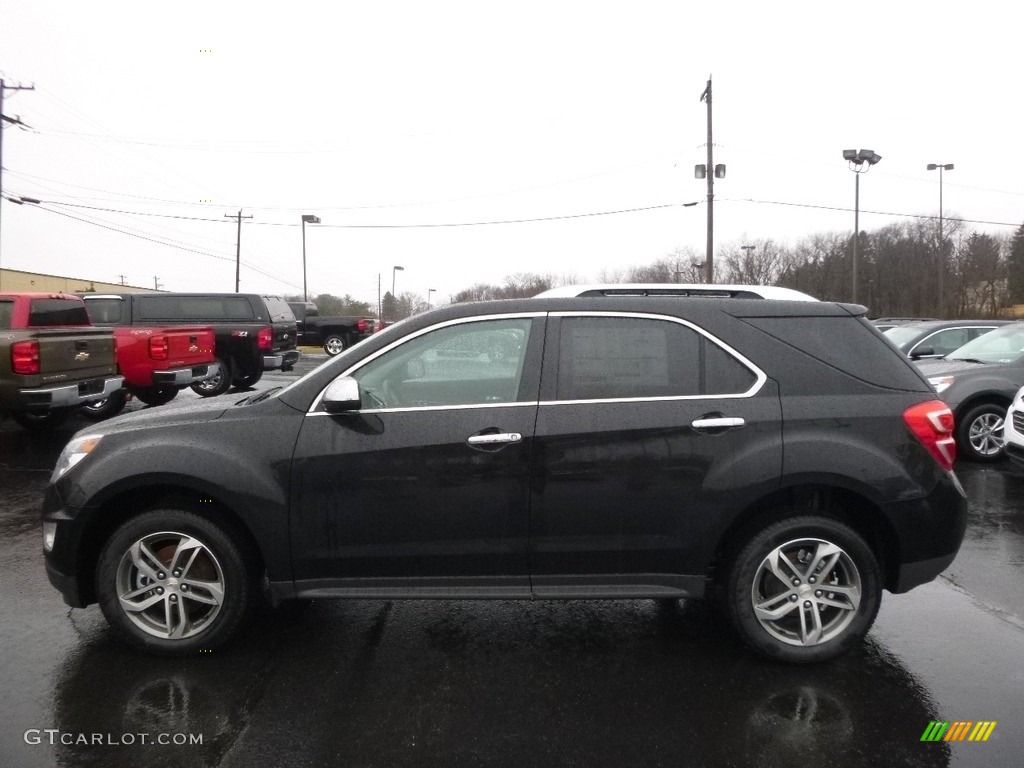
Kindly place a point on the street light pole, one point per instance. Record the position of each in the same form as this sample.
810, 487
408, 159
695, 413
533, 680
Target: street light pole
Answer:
307, 218
857, 159
942, 240
394, 299
430, 291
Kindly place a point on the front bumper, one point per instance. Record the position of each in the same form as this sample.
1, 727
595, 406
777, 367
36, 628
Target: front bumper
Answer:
281, 360
182, 377
70, 395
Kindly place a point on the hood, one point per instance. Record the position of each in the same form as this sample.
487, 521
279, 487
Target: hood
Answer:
161, 416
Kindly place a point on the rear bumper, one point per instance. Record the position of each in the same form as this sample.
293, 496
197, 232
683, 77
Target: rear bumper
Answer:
69, 395
281, 360
182, 377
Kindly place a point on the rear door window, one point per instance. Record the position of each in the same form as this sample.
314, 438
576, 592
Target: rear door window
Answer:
613, 358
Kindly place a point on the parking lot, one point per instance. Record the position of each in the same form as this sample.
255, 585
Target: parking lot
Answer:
462, 683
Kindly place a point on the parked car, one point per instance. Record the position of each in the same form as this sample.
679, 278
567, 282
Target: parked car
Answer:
885, 323
1013, 430
156, 364
53, 360
774, 455
695, 290
253, 332
335, 333
978, 382
937, 338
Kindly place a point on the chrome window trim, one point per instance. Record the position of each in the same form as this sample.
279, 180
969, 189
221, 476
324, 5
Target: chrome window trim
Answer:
760, 376
399, 342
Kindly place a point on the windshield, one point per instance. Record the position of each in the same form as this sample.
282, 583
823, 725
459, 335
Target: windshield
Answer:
902, 334
1003, 345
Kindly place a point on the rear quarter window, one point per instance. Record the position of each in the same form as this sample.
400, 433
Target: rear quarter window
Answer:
105, 311
279, 309
195, 308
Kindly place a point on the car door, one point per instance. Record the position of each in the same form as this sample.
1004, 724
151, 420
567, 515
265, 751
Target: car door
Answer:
427, 485
650, 434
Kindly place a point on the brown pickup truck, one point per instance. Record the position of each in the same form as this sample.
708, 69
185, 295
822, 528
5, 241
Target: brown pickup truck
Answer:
52, 359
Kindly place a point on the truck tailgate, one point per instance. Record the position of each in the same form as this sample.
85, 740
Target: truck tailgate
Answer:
71, 354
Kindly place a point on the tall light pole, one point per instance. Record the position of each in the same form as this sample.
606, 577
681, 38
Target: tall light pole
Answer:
942, 241
430, 291
860, 161
394, 299
307, 218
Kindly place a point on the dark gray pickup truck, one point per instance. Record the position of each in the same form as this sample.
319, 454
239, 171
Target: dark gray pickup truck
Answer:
335, 333
52, 359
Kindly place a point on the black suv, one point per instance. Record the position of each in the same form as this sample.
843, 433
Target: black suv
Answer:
777, 456
253, 332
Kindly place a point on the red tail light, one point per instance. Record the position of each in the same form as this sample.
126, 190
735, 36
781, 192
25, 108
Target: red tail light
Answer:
158, 349
25, 358
361, 325
932, 424
265, 340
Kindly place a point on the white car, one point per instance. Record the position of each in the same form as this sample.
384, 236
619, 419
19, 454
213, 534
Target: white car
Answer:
1013, 430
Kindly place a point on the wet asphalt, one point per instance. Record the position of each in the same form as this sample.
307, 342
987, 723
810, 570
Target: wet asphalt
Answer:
509, 683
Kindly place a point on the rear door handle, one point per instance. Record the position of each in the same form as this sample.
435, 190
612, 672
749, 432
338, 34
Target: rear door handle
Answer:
721, 422
497, 438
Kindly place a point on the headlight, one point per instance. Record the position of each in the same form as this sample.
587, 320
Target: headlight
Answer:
74, 452
49, 535
941, 383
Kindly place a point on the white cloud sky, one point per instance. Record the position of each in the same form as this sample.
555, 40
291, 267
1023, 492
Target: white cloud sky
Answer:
401, 113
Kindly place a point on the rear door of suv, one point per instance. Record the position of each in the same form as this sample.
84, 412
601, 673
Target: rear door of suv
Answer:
649, 429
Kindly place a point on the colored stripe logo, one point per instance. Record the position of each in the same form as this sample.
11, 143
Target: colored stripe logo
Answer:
958, 730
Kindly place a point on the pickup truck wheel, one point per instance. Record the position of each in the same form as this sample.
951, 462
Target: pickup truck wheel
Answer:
155, 395
249, 379
104, 409
803, 590
42, 421
335, 345
172, 583
980, 433
217, 385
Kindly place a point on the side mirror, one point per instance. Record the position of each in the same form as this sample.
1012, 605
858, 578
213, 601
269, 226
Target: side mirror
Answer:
342, 395
920, 352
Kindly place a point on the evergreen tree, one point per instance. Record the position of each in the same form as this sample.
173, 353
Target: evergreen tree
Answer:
1015, 267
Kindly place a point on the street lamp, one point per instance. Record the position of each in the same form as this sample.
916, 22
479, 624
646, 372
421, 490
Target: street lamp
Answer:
860, 161
394, 300
307, 218
942, 242
430, 291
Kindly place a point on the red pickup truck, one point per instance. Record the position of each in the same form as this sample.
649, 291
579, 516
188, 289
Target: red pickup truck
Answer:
158, 362
52, 360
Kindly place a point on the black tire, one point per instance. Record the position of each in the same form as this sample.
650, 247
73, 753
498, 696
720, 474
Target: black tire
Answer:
155, 395
979, 433
219, 384
248, 380
106, 408
335, 344
42, 421
827, 556
216, 586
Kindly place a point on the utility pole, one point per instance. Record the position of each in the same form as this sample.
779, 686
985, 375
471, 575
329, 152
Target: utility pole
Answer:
156, 283
122, 279
13, 121
709, 264
238, 247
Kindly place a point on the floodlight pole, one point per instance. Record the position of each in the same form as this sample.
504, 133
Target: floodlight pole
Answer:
942, 240
860, 161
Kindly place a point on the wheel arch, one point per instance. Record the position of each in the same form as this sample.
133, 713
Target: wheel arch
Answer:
132, 502
843, 505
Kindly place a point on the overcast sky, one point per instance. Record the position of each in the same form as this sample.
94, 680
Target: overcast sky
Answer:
378, 116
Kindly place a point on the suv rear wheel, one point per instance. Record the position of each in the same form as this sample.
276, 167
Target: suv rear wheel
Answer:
172, 582
803, 590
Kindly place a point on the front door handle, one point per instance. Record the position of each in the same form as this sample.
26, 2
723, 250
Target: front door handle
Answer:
496, 438
720, 422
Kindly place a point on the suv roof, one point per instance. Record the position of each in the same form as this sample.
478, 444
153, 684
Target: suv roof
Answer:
703, 290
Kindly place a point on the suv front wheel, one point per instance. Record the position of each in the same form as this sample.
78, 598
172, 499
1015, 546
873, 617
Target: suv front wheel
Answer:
803, 590
980, 433
173, 583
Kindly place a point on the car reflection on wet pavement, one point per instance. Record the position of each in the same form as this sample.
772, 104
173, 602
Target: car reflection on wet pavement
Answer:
607, 683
